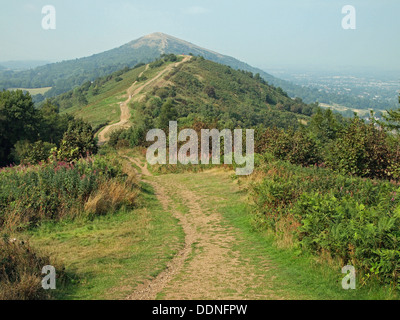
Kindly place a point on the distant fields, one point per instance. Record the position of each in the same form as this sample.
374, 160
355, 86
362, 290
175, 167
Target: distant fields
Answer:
33, 91
339, 108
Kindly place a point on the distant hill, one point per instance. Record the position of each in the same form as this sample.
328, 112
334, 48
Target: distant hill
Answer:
65, 75
22, 65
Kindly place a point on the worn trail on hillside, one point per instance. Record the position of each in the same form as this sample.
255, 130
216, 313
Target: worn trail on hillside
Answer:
125, 115
150, 288
134, 94
208, 266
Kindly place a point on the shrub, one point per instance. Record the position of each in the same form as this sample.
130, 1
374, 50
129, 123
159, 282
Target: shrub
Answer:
77, 142
32, 153
210, 91
30, 195
363, 150
364, 236
156, 64
114, 137
354, 220
297, 147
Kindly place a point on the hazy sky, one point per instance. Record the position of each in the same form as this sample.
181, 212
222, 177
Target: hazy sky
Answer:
264, 33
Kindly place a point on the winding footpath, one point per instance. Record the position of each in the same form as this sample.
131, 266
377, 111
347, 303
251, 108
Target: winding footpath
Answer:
134, 94
211, 264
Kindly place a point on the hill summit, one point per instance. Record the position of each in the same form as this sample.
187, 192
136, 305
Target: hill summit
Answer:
65, 75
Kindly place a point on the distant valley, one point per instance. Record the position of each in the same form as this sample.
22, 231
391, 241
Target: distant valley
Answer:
352, 89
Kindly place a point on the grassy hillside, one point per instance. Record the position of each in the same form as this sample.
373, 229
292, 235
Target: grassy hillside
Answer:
198, 89
212, 91
98, 102
66, 75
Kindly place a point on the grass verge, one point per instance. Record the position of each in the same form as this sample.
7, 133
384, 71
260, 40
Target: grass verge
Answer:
106, 258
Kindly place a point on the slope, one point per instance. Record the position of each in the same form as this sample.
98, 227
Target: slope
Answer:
134, 95
198, 90
65, 75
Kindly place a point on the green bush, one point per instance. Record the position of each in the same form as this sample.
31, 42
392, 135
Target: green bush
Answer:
364, 150
355, 220
298, 147
32, 153
77, 142
365, 236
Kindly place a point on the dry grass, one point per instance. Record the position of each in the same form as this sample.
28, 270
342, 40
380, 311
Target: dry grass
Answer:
112, 196
284, 230
20, 271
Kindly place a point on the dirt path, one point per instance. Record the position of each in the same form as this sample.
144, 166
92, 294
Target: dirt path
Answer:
209, 266
150, 288
134, 94
125, 116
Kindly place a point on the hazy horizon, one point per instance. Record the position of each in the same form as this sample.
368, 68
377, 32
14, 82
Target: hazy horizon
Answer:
265, 34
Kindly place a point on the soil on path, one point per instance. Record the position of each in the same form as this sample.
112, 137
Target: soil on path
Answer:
209, 266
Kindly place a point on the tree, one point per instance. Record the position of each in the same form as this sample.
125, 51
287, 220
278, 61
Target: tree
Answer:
324, 126
52, 125
77, 142
18, 121
168, 113
392, 120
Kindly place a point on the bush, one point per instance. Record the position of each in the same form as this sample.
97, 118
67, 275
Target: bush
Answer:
156, 64
363, 150
365, 236
114, 137
210, 91
352, 219
297, 147
77, 142
32, 153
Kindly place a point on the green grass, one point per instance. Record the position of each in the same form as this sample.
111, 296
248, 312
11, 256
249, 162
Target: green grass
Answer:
108, 257
103, 111
304, 274
105, 106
